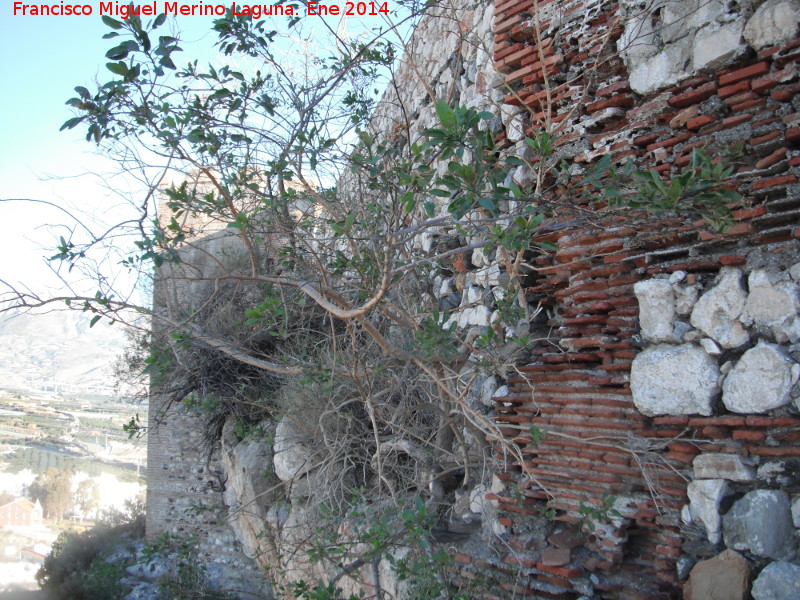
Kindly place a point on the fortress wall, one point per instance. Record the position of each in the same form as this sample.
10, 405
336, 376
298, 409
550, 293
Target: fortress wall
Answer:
647, 318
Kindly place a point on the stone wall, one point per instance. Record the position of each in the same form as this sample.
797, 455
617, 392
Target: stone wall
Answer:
659, 415
186, 475
671, 382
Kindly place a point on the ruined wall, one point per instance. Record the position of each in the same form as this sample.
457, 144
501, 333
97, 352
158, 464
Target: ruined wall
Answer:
186, 477
650, 394
667, 380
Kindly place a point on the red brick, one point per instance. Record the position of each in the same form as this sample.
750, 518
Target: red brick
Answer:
782, 94
745, 73
774, 181
732, 260
762, 139
693, 96
502, 25
739, 98
668, 551
785, 422
700, 121
619, 86
749, 104
793, 135
646, 139
621, 101
784, 59
668, 143
735, 120
762, 84
783, 452
731, 90
683, 116
672, 420
508, 50
774, 237
755, 421
772, 159
567, 572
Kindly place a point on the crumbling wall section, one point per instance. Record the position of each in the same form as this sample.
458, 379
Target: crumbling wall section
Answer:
660, 413
186, 478
661, 389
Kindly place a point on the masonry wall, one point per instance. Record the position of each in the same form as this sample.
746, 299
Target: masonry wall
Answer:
186, 479
648, 82
577, 75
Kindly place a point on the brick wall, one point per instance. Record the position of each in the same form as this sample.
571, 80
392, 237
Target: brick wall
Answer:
577, 389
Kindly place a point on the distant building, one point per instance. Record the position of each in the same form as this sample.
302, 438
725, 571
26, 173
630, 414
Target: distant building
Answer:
21, 513
32, 556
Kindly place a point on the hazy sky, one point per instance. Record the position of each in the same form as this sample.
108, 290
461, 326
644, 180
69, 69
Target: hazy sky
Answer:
43, 59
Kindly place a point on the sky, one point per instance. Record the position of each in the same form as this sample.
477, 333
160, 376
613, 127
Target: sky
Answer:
43, 59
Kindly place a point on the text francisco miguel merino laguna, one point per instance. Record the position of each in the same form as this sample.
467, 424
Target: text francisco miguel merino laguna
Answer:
256, 11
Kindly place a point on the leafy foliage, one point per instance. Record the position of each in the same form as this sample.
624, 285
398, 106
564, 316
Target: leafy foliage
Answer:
76, 567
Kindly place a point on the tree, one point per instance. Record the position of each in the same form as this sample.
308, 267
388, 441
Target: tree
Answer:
53, 489
87, 497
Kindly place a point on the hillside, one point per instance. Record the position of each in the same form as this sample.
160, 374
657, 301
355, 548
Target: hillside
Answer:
42, 352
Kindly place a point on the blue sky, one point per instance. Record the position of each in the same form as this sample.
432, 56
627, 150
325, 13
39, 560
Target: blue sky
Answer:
44, 58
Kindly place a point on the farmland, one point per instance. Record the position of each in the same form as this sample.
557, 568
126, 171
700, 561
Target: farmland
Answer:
39, 432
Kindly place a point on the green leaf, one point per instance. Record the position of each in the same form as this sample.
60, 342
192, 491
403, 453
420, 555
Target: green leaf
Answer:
94, 320
446, 114
70, 123
113, 23
122, 51
160, 20
488, 204
166, 61
118, 68
117, 53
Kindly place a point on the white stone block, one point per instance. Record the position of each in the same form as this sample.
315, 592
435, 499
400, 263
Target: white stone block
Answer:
659, 71
722, 466
775, 21
760, 381
710, 347
656, 309
674, 380
715, 45
479, 259
717, 311
685, 298
772, 308
704, 496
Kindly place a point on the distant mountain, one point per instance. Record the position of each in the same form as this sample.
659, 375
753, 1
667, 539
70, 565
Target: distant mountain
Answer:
58, 351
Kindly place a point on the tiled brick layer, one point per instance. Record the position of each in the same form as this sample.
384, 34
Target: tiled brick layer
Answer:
577, 390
